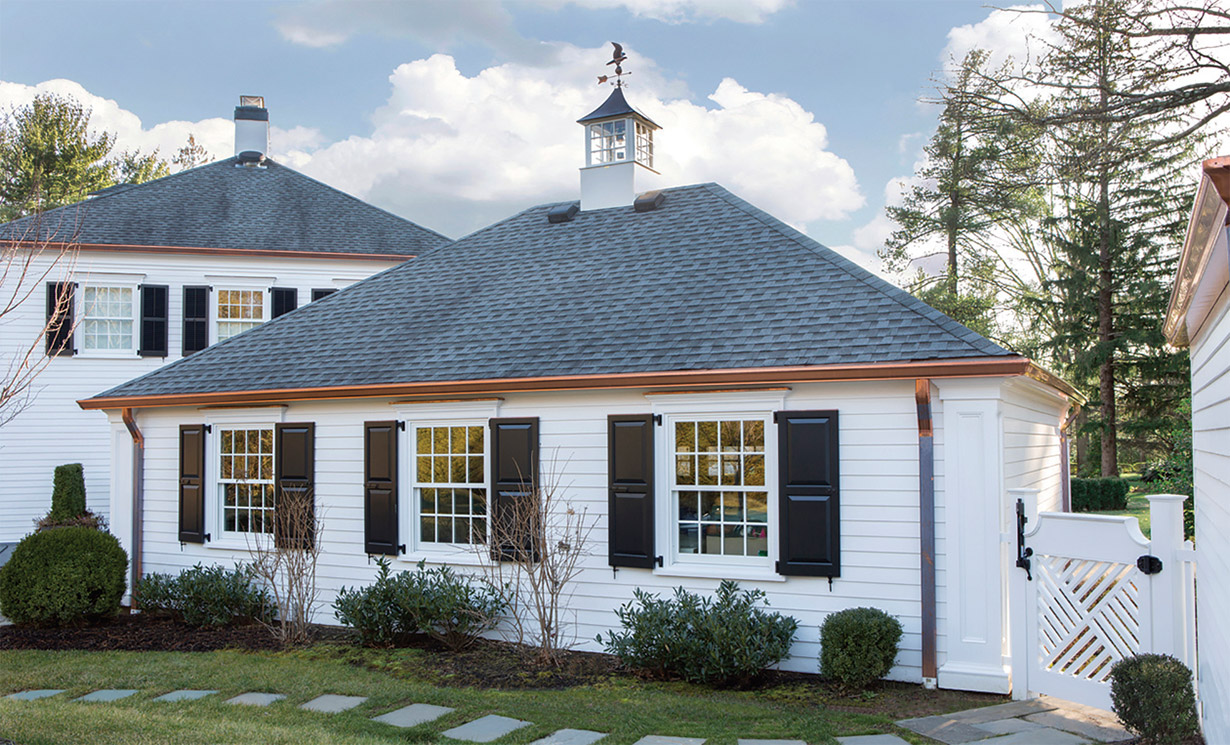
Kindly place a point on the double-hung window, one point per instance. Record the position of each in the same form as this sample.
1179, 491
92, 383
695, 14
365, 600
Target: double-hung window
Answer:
719, 494
450, 483
246, 478
109, 319
237, 310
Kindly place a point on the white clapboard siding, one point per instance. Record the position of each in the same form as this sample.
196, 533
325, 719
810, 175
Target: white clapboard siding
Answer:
1033, 458
53, 430
1210, 358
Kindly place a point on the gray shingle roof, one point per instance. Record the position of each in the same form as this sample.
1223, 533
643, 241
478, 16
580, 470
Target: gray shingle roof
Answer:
222, 205
705, 282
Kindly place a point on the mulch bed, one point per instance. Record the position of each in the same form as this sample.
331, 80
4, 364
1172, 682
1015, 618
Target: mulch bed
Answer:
139, 633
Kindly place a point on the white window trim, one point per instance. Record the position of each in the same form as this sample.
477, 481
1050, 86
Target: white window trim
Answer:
101, 280
215, 420
263, 284
741, 404
437, 413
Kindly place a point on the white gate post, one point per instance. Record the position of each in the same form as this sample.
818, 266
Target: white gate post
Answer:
1019, 606
1169, 603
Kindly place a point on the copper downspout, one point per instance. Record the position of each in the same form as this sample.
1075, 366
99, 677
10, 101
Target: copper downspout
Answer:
1065, 455
926, 528
138, 491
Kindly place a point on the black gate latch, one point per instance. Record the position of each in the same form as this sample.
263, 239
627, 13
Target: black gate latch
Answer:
1149, 564
1023, 552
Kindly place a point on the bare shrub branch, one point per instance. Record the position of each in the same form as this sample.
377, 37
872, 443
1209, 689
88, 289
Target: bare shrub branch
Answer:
286, 561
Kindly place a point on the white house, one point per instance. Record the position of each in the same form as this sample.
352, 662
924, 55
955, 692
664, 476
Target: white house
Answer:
1199, 318
722, 395
163, 270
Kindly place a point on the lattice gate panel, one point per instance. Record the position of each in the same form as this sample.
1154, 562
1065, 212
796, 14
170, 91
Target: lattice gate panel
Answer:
1089, 615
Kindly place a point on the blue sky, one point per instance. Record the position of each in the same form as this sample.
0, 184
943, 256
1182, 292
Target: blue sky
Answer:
810, 109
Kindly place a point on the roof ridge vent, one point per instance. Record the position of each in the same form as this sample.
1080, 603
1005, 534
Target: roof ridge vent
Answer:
649, 201
563, 212
251, 158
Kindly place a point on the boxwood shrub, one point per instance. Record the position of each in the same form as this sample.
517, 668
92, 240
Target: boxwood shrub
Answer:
1098, 495
1152, 695
206, 596
725, 640
63, 576
858, 646
452, 608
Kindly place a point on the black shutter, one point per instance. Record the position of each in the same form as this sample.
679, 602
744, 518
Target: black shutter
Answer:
196, 319
192, 483
322, 292
60, 314
514, 474
153, 321
283, 300
380, 488
630, 508
808, 488
294, 465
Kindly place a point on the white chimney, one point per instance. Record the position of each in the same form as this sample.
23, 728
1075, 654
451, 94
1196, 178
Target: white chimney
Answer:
618, 154
251, 125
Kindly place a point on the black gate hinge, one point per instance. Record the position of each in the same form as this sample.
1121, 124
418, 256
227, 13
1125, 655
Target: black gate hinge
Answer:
1148, 564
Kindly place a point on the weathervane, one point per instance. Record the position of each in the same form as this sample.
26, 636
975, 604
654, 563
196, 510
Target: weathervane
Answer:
617, 59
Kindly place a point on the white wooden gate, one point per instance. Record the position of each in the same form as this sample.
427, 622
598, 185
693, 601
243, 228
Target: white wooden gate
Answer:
1094, 590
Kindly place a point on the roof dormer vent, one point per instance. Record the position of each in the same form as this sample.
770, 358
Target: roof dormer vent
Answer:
563, 212
251, 159
649, 201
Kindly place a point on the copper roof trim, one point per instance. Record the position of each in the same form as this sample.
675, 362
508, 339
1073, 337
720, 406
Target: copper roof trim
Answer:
956, 368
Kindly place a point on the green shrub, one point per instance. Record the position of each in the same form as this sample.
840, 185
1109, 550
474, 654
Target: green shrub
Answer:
858, 646
206, 596
1152, 695
725, 640
68, 492
449, 607
63, 576
1100, 495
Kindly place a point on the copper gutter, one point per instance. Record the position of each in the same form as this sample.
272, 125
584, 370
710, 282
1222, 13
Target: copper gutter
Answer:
926, 530
958, 368
138, 494
216, 251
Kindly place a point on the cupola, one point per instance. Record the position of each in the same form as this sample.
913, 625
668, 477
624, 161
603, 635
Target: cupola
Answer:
251, 126
618, 153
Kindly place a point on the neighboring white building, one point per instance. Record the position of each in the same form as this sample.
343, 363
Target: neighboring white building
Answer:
723, 396
1199, 318
164, 269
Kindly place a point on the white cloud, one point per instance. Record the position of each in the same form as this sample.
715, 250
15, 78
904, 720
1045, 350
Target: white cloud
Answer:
868, 261
327, 23
465, 150
1005, 33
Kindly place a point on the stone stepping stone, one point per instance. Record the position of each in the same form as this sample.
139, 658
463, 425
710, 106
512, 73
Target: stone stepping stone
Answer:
107, 694
413, 715
1000, 711
36, 694
771, 742
872, 740
184, 695
945, 729
1008, 726
573, 737
1044, 736
486, 729
332, 704
256, 699
664, 740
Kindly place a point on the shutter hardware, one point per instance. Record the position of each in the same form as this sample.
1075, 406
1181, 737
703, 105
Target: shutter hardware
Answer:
401, 425
657, 419
401, 548
209, 428
658, 560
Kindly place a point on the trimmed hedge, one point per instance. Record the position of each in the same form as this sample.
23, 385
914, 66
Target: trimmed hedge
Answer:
1152, 695
206, 596
858, 646
1098, 495
722, 641
63, 576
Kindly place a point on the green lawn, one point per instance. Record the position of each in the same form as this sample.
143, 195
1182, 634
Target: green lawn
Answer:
1138, 504
623, 706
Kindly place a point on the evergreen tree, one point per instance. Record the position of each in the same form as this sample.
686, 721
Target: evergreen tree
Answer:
191, 154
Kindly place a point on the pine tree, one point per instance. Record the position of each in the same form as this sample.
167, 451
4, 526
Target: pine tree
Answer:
191, 154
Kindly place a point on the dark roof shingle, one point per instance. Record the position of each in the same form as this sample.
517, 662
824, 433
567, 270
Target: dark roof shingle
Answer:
706, 281
223, 205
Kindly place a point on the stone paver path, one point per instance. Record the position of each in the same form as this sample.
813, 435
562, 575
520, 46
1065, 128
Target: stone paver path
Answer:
332, 704
35, 695
413, 715
256, 699
108, 694
771, 742
184, 695
872, 740
485, 729
1040, 721
571, 737
663, 740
